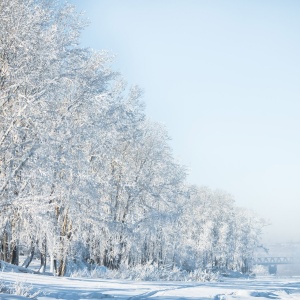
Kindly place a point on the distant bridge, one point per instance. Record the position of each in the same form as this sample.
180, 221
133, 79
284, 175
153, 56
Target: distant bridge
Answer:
266, 261
272, 262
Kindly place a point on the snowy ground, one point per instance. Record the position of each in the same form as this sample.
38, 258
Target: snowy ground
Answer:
76, 289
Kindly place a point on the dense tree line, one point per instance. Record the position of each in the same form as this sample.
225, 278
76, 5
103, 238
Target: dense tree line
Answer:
84, 175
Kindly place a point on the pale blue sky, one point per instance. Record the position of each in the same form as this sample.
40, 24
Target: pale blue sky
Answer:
223, 76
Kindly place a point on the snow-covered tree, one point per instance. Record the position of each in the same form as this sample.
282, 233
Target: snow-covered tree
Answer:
84, 175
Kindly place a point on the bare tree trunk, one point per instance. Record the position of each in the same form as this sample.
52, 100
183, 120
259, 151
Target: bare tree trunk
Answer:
62, 267
15, 254
30, 256
55, 265
65, 237
43, 265
5, 246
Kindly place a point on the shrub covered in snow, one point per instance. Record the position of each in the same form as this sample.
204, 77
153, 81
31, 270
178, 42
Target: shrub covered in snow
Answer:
148, 272
19, 288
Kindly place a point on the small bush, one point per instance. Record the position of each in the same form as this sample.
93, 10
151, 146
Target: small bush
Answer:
148, 272
19, 288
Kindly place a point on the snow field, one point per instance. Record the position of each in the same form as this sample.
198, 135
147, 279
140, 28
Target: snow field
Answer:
50, 288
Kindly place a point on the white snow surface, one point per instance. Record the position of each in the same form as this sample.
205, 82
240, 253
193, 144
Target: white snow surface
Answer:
51, 287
